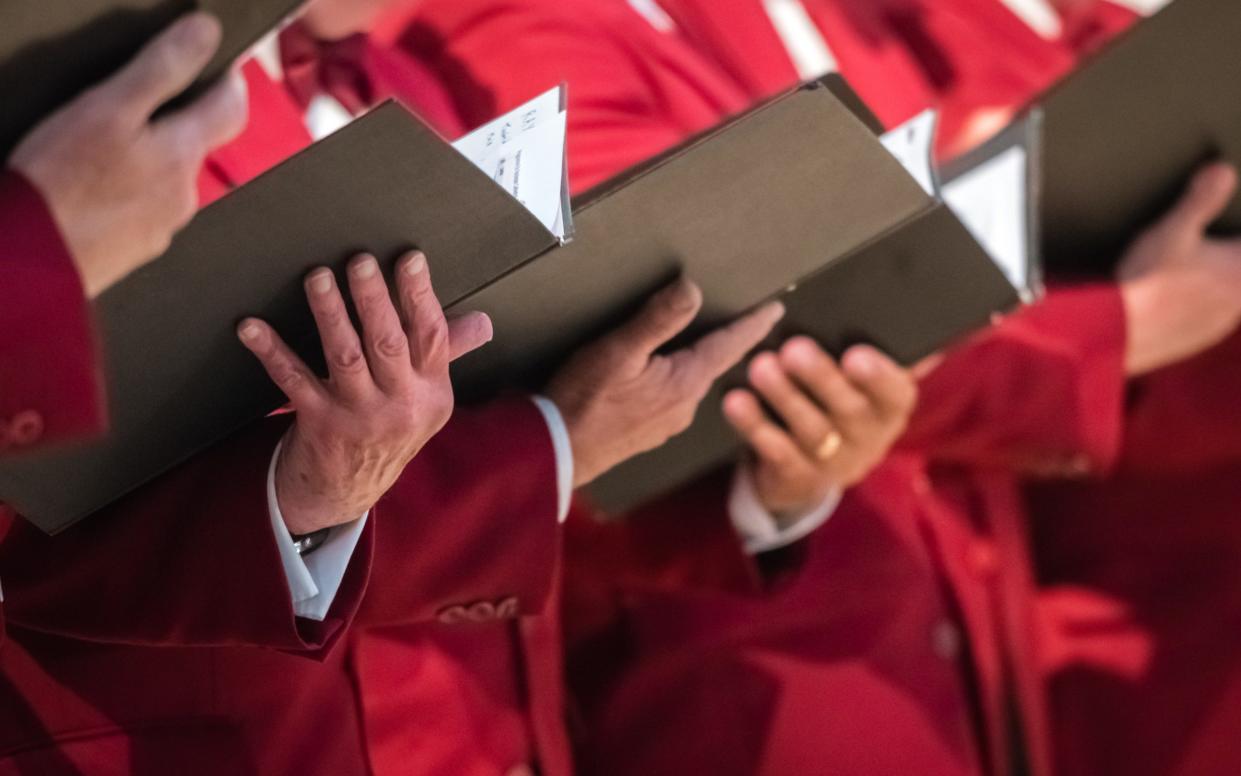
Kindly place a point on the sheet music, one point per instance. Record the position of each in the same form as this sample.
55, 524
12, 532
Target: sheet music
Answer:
524, 152
991, 201
911, 143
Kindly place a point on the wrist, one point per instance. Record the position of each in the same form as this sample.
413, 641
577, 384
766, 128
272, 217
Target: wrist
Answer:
305, 506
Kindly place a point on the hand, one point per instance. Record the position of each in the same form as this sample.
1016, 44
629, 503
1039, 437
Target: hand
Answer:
1182, 289
841, 421
619, 399
119, 182
388, 392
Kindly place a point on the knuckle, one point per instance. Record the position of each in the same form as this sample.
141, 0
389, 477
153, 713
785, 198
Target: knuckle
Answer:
391, 346
333, 318
435, 340
348, 360
370, 302
287, 378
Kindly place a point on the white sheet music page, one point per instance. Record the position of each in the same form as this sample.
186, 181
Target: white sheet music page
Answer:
991, 201
524, 152
911, 143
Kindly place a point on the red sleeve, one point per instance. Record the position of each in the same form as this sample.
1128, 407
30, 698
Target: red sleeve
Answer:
499, 57
50, 389
470, 528
1042, 393
190, 559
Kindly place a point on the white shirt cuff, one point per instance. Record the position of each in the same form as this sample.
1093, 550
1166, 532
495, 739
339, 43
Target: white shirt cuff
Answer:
315, 578
563, 447
759, 530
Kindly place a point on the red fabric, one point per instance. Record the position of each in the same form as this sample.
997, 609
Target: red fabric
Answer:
80, 686
49, 376
458, 630
153, 568
661, 87
989, 404
979, 56
634, 91
335, 68
360, 72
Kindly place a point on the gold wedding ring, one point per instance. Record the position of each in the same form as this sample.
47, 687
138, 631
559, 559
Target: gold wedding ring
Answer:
829, 447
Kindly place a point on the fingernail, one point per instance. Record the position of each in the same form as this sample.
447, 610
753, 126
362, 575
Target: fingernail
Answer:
321, 282
417, 263
799, 350
777, 310
249, 332
199, 32
686, 294
365, 268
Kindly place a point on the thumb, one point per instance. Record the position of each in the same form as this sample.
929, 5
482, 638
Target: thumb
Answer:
1209, 193
166, 66
467, 333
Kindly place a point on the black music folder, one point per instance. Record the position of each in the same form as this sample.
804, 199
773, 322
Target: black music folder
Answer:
1124, 134
797, 198
50, 51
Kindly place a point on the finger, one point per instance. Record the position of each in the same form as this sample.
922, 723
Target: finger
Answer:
927, 366
467, 333
165, 67
772, 445
1207, 197
212, 121
341, 347
426, 329
387, 349
805, 419
665, 315
722, 349
849, 409
286, 370
892, 390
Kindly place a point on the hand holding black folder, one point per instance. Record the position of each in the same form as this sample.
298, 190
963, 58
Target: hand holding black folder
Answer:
1124, 134
120, 181
620, 397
